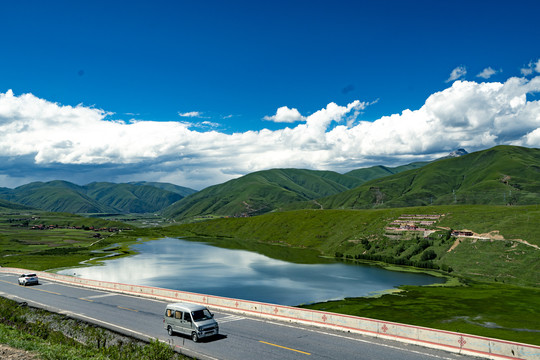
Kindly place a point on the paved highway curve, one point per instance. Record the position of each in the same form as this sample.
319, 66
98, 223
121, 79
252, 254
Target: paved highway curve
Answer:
242, 337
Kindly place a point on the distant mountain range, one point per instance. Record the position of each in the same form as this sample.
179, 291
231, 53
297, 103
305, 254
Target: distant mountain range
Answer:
261, 192
500, 175
503, 175
97, 197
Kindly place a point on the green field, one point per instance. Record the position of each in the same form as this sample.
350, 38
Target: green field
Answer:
65, 239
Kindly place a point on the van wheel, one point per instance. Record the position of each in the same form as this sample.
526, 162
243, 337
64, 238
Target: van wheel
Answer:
194, 336
170, 331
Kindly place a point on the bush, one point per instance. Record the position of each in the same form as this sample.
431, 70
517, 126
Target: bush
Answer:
428, 255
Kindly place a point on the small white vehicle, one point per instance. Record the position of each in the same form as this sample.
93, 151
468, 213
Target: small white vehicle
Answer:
28, 279
190, 319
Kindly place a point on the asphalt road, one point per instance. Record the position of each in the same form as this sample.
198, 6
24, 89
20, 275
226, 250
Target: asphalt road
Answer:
241, 337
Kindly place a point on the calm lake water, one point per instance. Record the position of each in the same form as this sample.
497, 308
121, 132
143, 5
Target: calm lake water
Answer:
199, 267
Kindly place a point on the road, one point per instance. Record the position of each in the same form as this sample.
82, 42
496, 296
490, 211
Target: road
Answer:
242, 337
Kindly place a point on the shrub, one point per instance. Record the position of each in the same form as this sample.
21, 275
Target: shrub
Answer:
428, 255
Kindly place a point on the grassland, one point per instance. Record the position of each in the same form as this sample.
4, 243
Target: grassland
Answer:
43, 240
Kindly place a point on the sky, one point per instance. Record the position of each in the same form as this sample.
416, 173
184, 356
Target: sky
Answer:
196, 93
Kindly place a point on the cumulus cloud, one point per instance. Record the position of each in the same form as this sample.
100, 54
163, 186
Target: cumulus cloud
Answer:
285, 115
48, 140
457, 73
487, 73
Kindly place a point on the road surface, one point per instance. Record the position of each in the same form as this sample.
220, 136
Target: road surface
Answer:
242, 337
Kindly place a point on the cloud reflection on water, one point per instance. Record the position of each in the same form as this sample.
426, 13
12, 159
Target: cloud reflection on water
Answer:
202, 268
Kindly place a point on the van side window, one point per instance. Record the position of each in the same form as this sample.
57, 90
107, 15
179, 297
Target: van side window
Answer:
178, 315
187, 317
169, 313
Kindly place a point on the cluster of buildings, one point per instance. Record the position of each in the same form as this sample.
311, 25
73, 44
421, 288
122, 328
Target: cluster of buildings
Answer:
416, 222
91, 228
420, 223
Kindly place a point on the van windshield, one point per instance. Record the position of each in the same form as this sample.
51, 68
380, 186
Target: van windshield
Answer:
201, 315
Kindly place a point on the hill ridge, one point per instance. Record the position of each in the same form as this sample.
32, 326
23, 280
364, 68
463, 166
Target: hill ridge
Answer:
95, 197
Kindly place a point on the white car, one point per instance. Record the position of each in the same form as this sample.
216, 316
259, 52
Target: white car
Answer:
28, 279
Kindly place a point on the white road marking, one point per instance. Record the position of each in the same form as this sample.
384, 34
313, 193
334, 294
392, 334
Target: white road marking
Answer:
230, 318
100, 296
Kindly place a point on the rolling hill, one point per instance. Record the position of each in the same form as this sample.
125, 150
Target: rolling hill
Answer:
503, 175
183, 191
261, 192
379, 171
9, 206
278, 189
63, 196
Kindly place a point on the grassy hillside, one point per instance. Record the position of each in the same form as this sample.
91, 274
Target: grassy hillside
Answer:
181, 190
503, 175
57, 196
376, 172
130, 198
510, 255
260, 192
8, 206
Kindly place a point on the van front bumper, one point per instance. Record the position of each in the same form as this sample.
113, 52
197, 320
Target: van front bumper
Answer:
208, 332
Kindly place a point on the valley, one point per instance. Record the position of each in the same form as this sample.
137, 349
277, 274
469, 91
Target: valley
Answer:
486, 246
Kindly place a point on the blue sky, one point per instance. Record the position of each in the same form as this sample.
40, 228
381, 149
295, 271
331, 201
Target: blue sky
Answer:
190, 92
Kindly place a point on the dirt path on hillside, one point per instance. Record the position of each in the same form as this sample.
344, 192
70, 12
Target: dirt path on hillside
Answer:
9, 353
493, 235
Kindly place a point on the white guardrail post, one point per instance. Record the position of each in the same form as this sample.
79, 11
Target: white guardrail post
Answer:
433, 338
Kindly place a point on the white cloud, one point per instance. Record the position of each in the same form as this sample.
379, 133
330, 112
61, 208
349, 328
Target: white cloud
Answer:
285, 115
526, 71
190, 114
41, 135
530, 68
487, 73
457, 73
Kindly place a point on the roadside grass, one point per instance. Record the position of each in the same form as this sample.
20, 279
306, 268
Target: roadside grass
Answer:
492, 310
52, 337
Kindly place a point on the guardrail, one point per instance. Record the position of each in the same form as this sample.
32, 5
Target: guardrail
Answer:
447, 340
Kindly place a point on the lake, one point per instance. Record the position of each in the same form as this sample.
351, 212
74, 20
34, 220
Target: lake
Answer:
202, 268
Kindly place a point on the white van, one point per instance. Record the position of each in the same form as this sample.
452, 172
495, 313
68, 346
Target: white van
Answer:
190, 319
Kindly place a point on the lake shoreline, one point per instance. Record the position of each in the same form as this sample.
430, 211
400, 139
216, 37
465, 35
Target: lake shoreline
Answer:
249, 276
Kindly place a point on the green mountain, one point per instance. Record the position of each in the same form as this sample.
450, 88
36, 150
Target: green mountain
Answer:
9, 206
129, 198
184, 191
261, 192
376, 172
502, 175
63, 196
